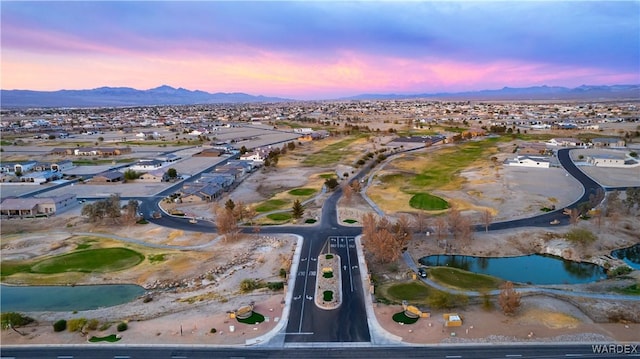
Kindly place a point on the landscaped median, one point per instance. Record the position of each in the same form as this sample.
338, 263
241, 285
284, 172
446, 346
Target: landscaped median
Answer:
328, 282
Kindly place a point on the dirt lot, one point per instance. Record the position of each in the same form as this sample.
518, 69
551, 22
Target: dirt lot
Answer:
211, 282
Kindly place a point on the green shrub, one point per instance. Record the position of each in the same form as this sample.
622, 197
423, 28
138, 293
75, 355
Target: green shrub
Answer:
580, 236
283, 273
487, 304
275, 286
105, 326
154, 258
60, 325
247, 285
327, 295
618, 271
327, 274
213, 330
122, 326
444, 300
13, 319
92, 324
328, 256
76, 324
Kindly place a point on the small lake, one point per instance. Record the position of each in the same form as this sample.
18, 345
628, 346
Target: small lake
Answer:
533, 269
66, 298
630, 255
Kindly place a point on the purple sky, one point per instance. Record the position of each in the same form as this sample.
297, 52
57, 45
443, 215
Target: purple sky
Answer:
316, 50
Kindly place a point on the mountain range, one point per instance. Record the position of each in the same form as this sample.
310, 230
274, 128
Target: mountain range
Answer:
123, 96
167, 95
584, 92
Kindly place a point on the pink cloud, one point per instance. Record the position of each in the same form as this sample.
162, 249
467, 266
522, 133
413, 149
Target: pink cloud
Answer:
258, 71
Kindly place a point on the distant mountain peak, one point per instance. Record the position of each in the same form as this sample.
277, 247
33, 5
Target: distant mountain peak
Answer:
123, 96
543, 92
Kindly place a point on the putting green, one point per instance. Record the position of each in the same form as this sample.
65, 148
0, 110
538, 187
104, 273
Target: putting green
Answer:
428, 202
92, 260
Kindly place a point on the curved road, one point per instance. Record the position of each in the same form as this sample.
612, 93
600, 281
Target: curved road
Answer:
308, 323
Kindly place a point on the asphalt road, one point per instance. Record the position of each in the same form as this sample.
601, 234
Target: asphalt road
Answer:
310, 325
557, 350
543, 220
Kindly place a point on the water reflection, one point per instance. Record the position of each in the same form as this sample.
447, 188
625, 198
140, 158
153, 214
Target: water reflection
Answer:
534, 269
66, 298
630, 255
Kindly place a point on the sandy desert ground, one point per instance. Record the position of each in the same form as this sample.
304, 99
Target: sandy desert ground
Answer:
540, 318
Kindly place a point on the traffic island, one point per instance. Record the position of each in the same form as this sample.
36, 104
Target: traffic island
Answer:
328, 282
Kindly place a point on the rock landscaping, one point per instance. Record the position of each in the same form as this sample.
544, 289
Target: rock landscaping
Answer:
329, 282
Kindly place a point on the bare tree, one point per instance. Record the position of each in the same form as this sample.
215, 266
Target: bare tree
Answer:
355, 186
131, 211
440, 226
574, 216
227, 224
347, 192
420, 222
240, 211
509, 299
368, 225
256, 230
465, 230
454, 219
383, 240
402, 231
487, 218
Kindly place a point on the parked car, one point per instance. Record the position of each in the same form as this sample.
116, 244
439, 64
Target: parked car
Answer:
555, 221
422, 272
193, 220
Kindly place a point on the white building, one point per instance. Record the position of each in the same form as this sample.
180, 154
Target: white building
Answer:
607, 160
530, 161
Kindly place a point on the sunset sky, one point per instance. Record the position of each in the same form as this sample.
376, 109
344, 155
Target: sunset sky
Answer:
319, 50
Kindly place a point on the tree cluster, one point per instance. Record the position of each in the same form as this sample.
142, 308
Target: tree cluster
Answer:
108, 208
227, 218
384, 240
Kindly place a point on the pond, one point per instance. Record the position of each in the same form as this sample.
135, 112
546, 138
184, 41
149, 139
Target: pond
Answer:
66, 298
533, 269
630, 255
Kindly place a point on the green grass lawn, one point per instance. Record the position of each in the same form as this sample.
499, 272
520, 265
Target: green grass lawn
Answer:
411, 291
109, 338
302, 191
458, 278
400, 317
633, 289
271, 205
330, 154
253, 319
283, 216
428, 202
93, 260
